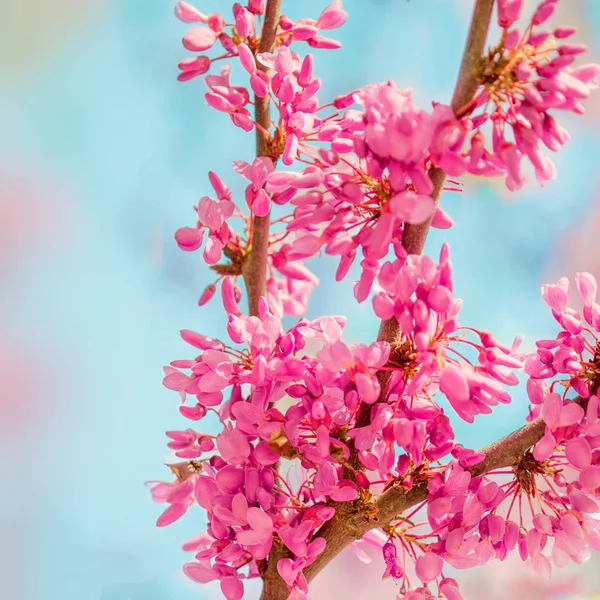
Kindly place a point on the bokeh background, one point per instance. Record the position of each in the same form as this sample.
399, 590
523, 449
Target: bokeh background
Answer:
102, 156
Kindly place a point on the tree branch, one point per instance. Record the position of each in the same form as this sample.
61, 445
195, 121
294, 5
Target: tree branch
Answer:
347, 526
255, 269
340, 532
414, 236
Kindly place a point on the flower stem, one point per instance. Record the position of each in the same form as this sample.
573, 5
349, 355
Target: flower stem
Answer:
255, 269
414, 236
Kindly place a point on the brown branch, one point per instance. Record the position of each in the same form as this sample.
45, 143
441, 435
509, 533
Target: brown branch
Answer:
339, 532
255, 268
347, 526
498, 455
414, 236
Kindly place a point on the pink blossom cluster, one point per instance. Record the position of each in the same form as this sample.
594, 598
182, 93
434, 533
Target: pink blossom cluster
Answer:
407, 431
287, 294
369, 169
371, 180
571, 362
477, 519
547, 509
529, 73
308, 423
473, 520
574, 352
208, 29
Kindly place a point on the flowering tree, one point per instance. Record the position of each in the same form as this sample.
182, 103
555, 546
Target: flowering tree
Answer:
351, 444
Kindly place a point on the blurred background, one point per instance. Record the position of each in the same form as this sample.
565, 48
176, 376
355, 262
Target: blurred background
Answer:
102, 156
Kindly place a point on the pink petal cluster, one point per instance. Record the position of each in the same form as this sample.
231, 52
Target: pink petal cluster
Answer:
406, 430
212, 216
526, 77
241, 39
564, 465
229, 99
373, 179
286, 295
309, 30
419, 295
573, 354
308, 422
207, 29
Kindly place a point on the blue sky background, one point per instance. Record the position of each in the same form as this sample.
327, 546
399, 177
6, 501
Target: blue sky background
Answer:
95, 112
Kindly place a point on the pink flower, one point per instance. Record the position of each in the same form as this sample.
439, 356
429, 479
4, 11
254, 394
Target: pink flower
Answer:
291, 572
359, 362
233, 446
199, 39
328, 483
587, 287
578, 452
193, 67
257, 198
556, 296
229, 99
232, 588
260, 532
295, 538
332, 16
508, 12
189, 444
454, 385
429, 567
365, 436
392, 566
178, 495
188, 14
188, 238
